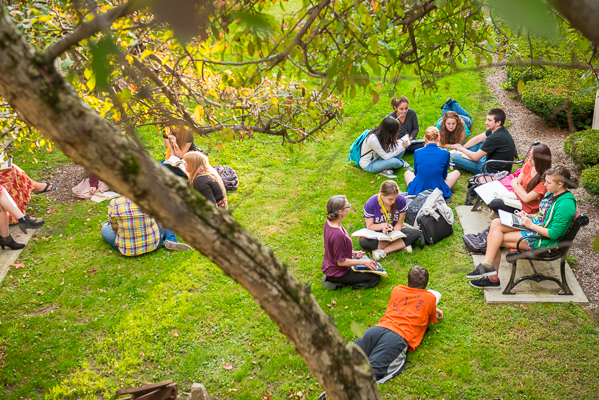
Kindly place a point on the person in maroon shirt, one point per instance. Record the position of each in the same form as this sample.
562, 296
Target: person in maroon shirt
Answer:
338, 254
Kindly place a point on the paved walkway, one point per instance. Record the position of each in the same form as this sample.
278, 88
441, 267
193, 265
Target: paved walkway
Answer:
527, 291
8, 256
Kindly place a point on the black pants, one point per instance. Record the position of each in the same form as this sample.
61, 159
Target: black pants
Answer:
412, 235
415, 145
355, 279
386, 351
498, 204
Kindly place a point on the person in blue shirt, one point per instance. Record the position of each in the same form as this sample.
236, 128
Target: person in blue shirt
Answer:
430, 167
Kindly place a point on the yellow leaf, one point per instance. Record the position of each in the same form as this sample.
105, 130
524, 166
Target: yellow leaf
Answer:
520, 87
129, 59
91, 83
145, 54
198, 113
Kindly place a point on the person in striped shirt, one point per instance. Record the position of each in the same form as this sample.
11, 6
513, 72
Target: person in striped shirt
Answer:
133, 233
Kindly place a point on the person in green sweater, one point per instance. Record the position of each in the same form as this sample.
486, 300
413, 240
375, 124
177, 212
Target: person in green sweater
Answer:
556, 213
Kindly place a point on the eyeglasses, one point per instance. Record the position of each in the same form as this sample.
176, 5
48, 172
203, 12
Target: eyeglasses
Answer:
349, 206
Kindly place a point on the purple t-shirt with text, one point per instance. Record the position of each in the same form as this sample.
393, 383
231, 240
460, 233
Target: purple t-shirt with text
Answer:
372, 209
337, 248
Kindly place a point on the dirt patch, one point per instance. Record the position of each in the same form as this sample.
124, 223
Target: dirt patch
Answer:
66, 177
43, 311
527, 127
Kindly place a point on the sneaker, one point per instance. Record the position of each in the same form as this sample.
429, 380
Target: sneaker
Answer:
449, 100
378, 254
176, 246
328, 285
407, 249
483, 283
482, 271
406, 166
388, 173
323, 396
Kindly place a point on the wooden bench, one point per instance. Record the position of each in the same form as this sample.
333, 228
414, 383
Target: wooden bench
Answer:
544, 254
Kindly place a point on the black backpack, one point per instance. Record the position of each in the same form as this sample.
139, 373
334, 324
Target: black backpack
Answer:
434, 230
229, 177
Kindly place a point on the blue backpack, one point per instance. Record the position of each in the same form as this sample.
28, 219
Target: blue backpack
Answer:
355, 151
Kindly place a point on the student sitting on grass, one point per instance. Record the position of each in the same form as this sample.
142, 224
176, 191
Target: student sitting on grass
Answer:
402, 328
204, 178
338, 254
430, 167
556, 213
383, 212
178, 142
9, 207
133, 233
408, 120
381, 150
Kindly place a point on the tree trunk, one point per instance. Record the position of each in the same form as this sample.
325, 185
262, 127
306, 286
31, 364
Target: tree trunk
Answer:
44, 100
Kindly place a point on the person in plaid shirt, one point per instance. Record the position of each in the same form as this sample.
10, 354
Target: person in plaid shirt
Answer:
132, 232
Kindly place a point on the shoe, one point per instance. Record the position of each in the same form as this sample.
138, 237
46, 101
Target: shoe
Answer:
406, 166
49, 187
26, 222
449, 100
328, 285
388, 173
482, 271
378, 254
483, 283
323, 396
176, 246
407, 249
448, 200
10, 243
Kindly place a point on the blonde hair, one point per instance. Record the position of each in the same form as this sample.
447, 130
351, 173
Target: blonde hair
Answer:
431, 134
197, 161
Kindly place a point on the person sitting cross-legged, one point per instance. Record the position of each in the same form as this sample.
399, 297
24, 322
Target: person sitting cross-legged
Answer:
8, 207
133, 233
495, 144
382, 149
338, 254
402, 328
556, 213
430, 167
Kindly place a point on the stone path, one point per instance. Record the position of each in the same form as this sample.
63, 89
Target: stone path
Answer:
527, 291
8, 256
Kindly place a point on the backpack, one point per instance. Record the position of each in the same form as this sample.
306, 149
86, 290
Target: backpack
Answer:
229, 177
434, 230
476, 243
355, 151
478, 180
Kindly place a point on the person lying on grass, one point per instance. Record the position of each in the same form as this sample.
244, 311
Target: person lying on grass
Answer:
430, 167
402, 328
384, 212
338, 254
556, 213
133, 233
454, 124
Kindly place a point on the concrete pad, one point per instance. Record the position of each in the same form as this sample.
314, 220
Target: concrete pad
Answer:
8, 256
527, 291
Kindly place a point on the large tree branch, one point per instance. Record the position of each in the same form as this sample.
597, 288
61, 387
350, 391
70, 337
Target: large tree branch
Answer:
41, 95
90, 28
582, 14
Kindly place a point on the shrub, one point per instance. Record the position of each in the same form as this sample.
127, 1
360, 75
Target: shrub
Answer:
590, 179
583, 147
542, 50
549, 98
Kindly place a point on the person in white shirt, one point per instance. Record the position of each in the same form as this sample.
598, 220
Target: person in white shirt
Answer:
382, 149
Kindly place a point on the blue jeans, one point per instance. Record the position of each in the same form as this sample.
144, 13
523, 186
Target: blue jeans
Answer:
380, 164
110, 236
456, 107
476, 167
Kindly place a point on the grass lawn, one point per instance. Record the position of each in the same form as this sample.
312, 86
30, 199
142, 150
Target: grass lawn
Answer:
122, 322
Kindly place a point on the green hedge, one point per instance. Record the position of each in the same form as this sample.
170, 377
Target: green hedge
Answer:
541, 50
546, 96
583, 147
590, 179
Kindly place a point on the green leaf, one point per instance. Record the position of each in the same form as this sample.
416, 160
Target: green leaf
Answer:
532, 14
357, 329
255, 21
596, 244
100, 56
587, 90
392, 92
520, 87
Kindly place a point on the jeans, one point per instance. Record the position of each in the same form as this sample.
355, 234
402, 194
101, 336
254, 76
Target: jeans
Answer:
391, 163
456, 107
476, 167
110, 236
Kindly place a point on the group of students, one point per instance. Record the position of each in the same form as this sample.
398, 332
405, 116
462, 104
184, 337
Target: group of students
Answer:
548, 210
132, 232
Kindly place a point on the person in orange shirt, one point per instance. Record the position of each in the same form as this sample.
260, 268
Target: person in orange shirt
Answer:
402, 328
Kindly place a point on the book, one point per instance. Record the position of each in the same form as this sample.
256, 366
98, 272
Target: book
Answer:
100, 197
405, 138
454, 152
370, 234
495, 190
6, 164
510, 199
364, 269
176, 162
511, 220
